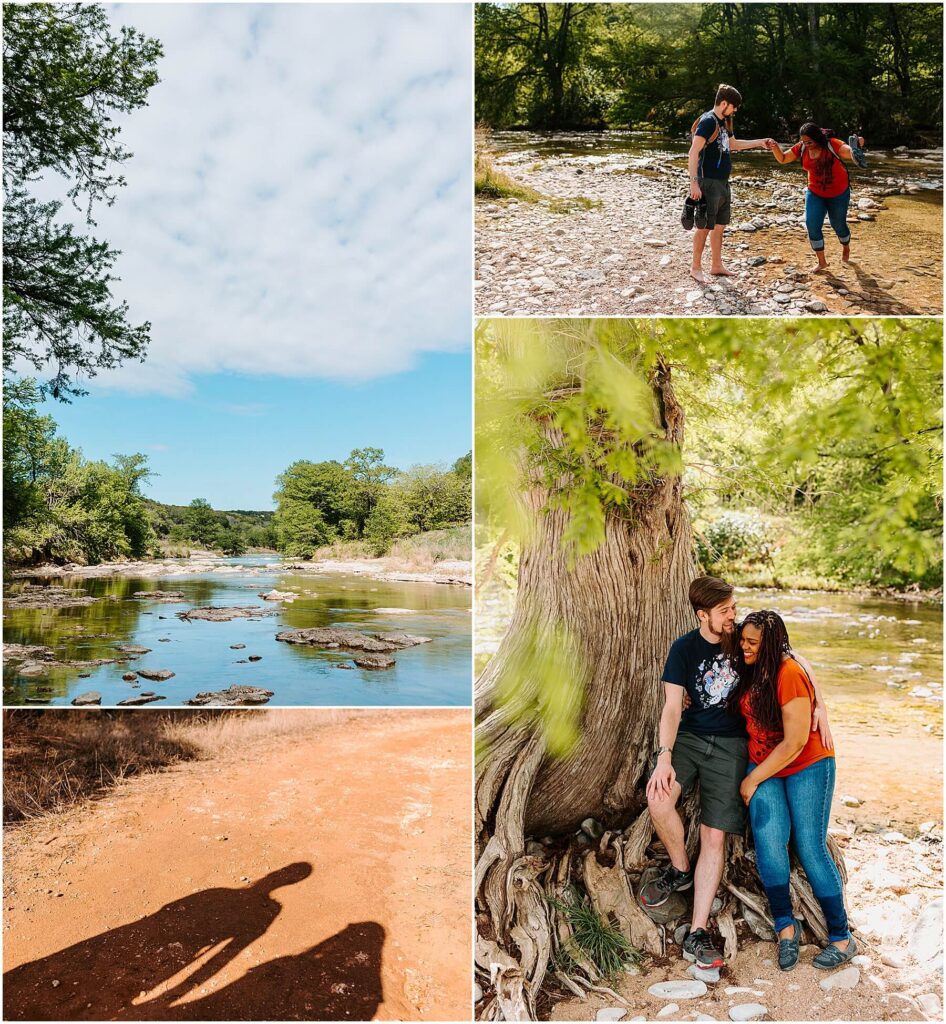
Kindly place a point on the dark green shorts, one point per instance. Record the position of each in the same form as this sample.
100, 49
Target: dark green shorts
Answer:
719, 762
718, 201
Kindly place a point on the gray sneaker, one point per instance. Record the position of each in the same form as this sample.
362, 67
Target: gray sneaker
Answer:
788, 950
831, 957
860, 158
657, 891
698, 948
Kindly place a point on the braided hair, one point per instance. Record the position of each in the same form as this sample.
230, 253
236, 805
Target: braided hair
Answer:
760, 680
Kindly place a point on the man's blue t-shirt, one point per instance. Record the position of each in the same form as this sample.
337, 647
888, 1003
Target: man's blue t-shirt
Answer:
715, 160
708, 676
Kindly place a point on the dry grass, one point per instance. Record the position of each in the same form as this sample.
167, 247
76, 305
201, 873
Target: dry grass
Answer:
54, 759
424, 550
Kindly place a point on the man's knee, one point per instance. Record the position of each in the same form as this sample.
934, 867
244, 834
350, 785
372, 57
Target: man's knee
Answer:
662, 805
712, 838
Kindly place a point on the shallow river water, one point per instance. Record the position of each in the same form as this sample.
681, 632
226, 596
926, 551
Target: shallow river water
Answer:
200, 655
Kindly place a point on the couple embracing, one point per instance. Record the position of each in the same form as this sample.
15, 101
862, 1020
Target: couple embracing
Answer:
755, 735
709, 164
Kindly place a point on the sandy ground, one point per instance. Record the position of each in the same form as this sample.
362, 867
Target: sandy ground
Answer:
327, 879
629, 256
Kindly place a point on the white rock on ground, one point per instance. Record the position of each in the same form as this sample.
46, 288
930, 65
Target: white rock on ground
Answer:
610, 1013
926, 938
860, 960
847, 978
477, 993
670, 1010
850, 801
678, 990
930, 1005
747, 1011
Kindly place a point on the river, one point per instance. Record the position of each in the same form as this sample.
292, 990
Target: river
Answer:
200, 653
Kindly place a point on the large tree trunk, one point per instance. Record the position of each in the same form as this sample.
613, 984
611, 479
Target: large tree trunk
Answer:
623, 605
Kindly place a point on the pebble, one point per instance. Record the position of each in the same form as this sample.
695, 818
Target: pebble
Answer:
926, 938
656, 243
930, 1005
849, 977
610, 1013
665, 261
747, 1011
669, 1010
709, 974
895, 837
678, 990
851, 801
55, 984
477, 992
892, 958
860, 960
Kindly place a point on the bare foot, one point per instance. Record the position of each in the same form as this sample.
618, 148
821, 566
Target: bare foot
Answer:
721, 272
845, 254
698, 276
820, 269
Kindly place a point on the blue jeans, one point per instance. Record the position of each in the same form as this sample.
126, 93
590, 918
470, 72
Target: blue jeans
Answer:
835, 209
797, 808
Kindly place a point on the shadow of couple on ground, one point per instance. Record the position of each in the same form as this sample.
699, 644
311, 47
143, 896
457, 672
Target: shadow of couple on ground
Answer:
161, 966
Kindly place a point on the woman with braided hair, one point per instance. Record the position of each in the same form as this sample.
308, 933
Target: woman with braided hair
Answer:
829, 184
789, 785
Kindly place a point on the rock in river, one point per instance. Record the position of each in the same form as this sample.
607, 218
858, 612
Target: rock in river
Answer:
141, 698
348, 639
91, 697
234, 696
158, 675
374, 660
214, 614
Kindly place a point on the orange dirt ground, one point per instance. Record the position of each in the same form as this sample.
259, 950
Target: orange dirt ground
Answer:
321, 877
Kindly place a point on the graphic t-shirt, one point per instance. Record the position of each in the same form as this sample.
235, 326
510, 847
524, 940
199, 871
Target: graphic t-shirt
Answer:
708, 677
826, 178
792, 682
715, 161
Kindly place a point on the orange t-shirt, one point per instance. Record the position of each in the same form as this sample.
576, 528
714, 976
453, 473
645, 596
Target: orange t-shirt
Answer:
826, 178
792, 682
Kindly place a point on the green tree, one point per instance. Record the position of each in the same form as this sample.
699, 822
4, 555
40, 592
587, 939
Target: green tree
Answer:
370, 475
389, 519
66, 75
328, 486
300, 529
434, 498
231, 541
201, 523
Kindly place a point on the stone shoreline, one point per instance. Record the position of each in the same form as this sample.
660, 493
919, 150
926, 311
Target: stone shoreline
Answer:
629, 256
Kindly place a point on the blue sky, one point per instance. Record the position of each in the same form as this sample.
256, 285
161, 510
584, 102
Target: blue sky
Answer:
296, 226
228, 439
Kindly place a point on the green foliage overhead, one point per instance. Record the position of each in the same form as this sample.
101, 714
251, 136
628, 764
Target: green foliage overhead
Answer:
834, 425
874, 67
66, 74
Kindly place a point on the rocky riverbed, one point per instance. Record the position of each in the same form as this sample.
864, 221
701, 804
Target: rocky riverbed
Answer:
629, 256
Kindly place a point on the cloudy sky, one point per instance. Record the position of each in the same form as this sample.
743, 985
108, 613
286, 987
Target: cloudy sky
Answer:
296, 227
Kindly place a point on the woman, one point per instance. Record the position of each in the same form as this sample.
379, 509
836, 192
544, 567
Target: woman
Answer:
789, 786
829, 185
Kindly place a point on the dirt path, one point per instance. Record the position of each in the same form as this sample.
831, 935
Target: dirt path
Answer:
325, 879
629, 256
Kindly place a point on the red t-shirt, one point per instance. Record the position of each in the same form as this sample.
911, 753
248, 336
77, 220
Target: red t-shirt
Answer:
826, 178
792, 682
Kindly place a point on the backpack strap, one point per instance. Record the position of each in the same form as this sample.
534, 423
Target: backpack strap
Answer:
696, 125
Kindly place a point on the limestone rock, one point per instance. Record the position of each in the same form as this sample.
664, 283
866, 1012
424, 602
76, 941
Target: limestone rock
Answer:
158, 675
141, 698
611, 1013
670, 1010
233, 696
374, 661
678, 990
847, 977
332, 638
926, 937
84, 699
747, 1011
213, 613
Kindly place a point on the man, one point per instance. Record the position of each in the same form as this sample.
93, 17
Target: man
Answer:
709, 164
706, 743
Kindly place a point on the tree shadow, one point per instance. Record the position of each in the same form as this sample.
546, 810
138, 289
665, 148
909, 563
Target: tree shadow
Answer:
874, 294
142, 970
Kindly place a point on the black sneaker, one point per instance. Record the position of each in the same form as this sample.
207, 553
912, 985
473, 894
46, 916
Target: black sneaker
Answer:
698, 948
686, 218
699, 217
657, 891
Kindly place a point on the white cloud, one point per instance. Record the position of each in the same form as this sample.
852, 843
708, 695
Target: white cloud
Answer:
299, 199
